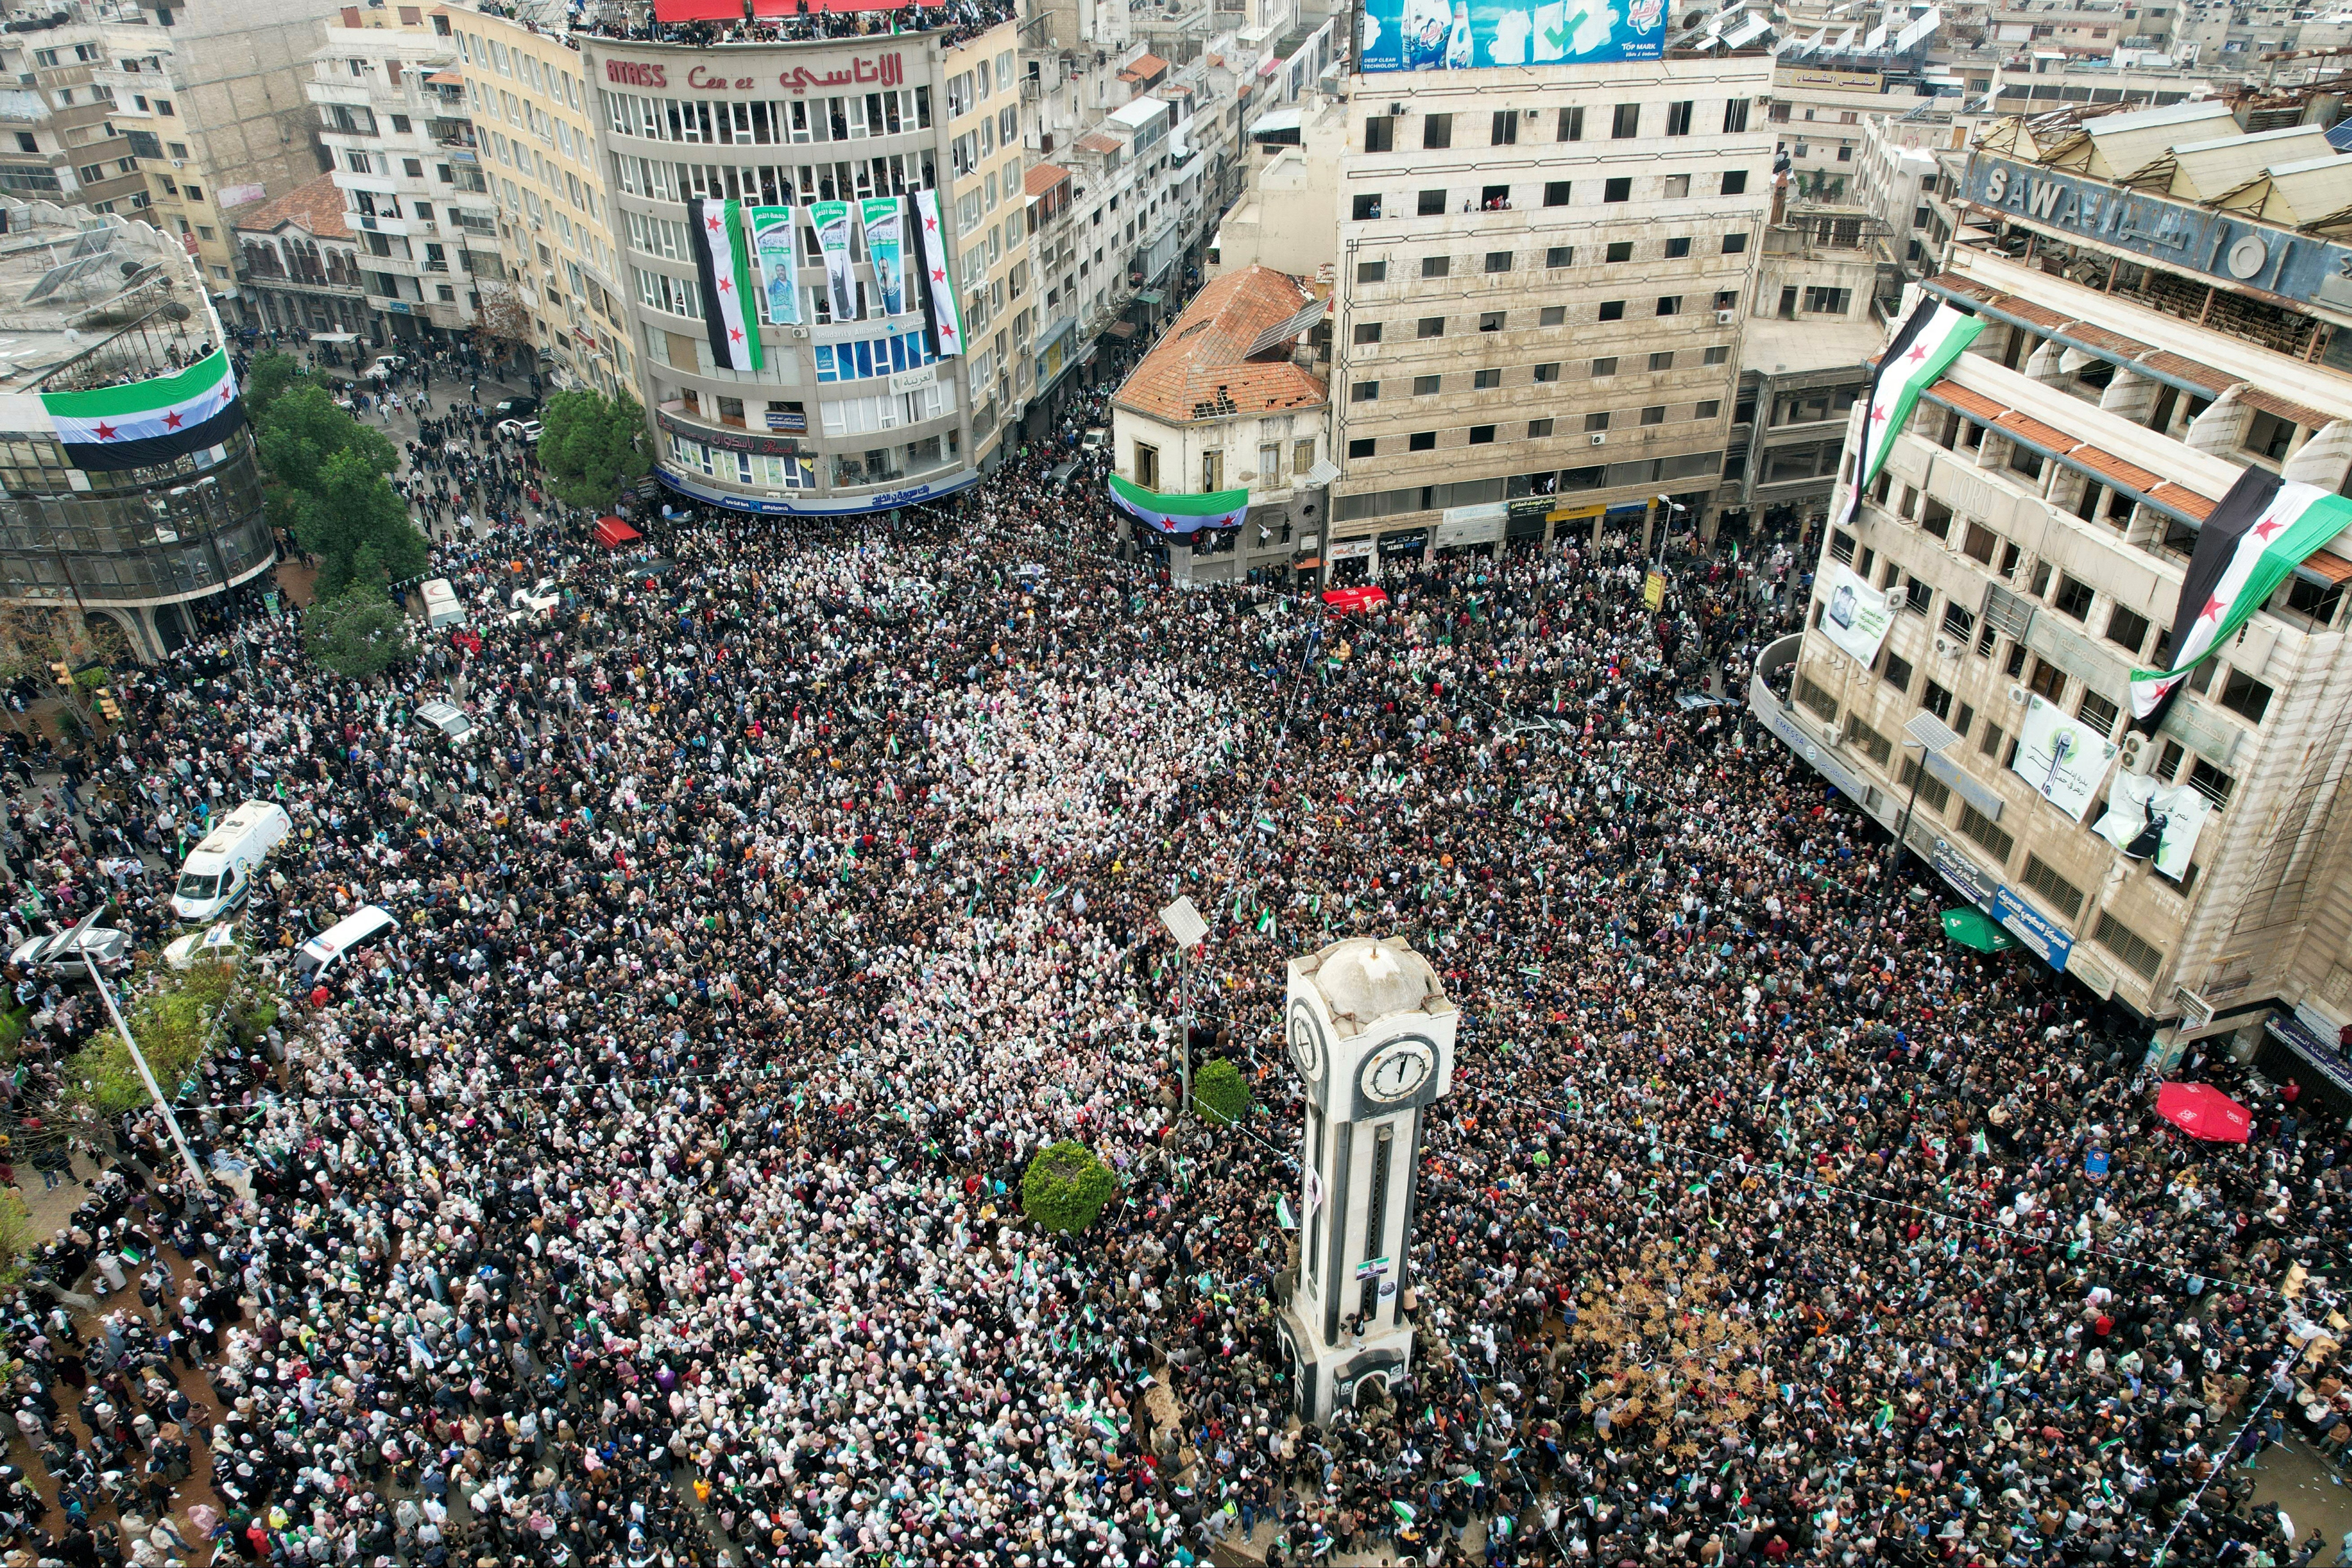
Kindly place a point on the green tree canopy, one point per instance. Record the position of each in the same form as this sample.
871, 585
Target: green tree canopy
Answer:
173, 1013
592, 447
1065, 1186
333, 493
358, 632
271, 378
1220, 1092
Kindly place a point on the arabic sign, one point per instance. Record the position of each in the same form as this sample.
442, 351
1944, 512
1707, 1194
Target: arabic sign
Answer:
1460, 35
842, 507
832, 221
863, 70
2186, 238
2063, 758
2153, 821
2044, 936
734, 440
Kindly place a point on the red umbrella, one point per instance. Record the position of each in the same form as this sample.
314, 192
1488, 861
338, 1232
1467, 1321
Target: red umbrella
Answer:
2203, 1110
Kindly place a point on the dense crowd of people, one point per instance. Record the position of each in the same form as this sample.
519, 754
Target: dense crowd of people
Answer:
653, 1197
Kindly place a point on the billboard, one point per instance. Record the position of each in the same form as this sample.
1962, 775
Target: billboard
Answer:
1462, 35
2065, 758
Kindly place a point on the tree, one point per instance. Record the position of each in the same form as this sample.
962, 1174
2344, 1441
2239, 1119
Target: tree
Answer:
358, 632
332, 493
271, 377
1220, 1092
1065, 1186
501, 322
174, 1014
592, 447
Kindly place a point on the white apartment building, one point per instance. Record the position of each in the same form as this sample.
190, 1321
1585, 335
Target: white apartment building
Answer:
2031, 530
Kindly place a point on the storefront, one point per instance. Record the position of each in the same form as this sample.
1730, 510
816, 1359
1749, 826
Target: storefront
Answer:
1352, 562
1403, 550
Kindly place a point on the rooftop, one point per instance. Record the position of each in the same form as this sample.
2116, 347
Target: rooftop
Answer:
88, 299
1205, 367
316, 208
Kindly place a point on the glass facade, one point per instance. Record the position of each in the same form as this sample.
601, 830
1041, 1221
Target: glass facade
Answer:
130, 536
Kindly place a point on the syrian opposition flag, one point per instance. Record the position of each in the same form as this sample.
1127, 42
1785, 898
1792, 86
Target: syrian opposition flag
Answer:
1924, 346
2262, 530
722, 262
145, 422
1180, 514
927, 246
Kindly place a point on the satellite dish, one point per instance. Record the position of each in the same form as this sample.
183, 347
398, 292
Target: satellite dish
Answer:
72, 336
131, 269
174, 311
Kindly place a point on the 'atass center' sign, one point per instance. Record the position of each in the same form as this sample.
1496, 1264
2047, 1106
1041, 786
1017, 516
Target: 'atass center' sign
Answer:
877, 71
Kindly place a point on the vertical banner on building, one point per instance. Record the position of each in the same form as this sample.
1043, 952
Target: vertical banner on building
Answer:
832, 221
722, 265
927, 240
884, 223
1923, 348
775, 259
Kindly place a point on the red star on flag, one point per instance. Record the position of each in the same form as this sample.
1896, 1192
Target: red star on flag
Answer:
713, 221
946, 332
105, 431
1919, 352
1877, 416
931, 224
2268, 530
2213, 610
938, 274
726, 284
172, 419
736, 333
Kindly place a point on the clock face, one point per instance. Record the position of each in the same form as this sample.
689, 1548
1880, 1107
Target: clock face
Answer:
1399, 1070
1306, 1044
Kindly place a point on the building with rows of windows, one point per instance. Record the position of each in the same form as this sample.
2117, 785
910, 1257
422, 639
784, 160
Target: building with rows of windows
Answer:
2142, 346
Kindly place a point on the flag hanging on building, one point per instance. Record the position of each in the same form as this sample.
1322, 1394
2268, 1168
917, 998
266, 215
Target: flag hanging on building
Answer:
2252, 541
1922, 349
1180, 514
722, 264
145, 422
927, 246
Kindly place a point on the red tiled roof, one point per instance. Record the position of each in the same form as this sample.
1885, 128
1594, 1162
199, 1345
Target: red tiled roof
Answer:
1968, 402
2331, 565
2107, 466
1043, 178
316, 207
2189, 369
2293, 412
2048, 321
1198, 371
1143, 68
1099, 141
2130, 476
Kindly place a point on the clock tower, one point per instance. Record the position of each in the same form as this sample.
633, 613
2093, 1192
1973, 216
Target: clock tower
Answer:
1370, 1032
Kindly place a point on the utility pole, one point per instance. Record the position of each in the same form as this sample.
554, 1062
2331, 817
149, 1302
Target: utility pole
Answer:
1185, 924
146, 1073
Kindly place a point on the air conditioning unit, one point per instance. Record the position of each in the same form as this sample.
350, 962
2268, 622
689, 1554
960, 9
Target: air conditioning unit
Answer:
2017, 694
1599, 440
2135, 750
1724, 317
1947, 649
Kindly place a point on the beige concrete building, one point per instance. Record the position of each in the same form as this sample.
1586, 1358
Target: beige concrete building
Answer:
2030, 532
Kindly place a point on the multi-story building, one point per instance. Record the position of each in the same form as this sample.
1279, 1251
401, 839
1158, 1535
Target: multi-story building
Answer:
2029, 533
115, 308
392, 114
58, 141
1541, 280
298, 267
1233, 397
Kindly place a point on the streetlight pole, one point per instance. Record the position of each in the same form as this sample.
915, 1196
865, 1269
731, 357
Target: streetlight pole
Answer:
146, 1073
1185, 924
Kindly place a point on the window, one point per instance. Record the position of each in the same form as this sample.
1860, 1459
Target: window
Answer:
1364, 392
1552, 316
1556, 192
1620, 189
1571, 125
1664, 360
1936, 699
1716, 355
1677, 186
1918, 596
1436, 266
1897, 673
1979, 545
1733, 244
1490, 320
1958, 623
1816, 698
1361, 446
1499, 261
1425, 386
1430, 204
1989, 741
1538, 429
2244, 695
1421, 440
1147, 465
177, 149
2047, 680
1560, 255
1505, 131
1986, 832
1626, 122
1485, 380
1379, 133
1654, 415
1932, 789
2317, 600
1612, 310
1596, 423
1827, 301
1678, 247
1482, 435
2268, 435
1619, 250
2212, 782
1368, 331
2127, 945
2026, 460
1605, 366
1670, 304
1436, 131
1735, 181
1302, 456
1679, 118
1735, 116
1430, 327
1549, 373
1364, 207
1708, 408
1371, 272
2098, 713
1868, 741
2063, 895
1212, 471
2073, 598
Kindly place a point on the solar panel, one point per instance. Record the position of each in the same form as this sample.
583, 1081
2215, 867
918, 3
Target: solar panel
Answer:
57, 277
1283, 331
91, 242
1918, 32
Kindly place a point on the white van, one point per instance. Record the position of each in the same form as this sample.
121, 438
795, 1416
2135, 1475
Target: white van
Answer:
324, 951
220, 869
441, 606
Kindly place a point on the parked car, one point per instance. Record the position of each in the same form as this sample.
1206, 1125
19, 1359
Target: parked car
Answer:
53, 958
515, 407
354, 932
445, 720
218, 944
521, 429
385, 364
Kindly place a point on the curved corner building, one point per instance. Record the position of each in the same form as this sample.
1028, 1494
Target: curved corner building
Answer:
848, 411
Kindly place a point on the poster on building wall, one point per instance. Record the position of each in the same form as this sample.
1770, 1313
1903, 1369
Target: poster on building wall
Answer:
885, 217
2064, 758
832, 221
1463, 35
2153, 821
775, 258
1854, 615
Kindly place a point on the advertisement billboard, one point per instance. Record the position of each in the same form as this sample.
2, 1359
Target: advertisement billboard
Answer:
1466, 35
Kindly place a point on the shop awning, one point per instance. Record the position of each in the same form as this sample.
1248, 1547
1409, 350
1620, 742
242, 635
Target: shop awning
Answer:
698, 10
1121, 329
1312, 563
1150, 296
1971, 928
334, 337
613, 533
